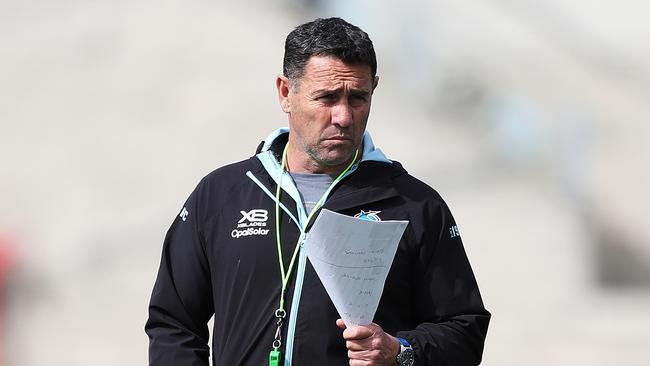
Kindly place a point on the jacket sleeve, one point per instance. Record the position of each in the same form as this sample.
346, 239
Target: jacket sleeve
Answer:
447, 299
181, 303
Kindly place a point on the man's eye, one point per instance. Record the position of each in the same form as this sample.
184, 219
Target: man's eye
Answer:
327, 97
357, 99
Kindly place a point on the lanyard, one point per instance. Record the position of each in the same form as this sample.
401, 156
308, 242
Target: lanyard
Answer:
280, 312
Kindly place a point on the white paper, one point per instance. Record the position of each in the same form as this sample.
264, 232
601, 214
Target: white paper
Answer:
352, 258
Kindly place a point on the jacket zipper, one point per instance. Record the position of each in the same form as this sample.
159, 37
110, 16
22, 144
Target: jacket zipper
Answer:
291, 189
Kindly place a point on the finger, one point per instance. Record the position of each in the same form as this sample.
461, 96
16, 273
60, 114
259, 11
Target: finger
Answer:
358, 363
340, 323
358, 345
368, 356
358, 332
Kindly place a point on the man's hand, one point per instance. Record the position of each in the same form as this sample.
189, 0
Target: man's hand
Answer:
369, 345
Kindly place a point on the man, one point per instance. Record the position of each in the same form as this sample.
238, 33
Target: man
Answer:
233, 251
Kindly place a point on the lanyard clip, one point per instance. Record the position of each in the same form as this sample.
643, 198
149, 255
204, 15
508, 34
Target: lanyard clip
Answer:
280, 314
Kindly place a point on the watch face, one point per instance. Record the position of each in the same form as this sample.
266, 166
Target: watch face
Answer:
406, 357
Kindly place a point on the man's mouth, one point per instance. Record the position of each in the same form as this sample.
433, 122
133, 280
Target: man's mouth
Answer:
338, 138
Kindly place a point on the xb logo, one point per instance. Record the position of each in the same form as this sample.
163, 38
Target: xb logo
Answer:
256, 215
252, 222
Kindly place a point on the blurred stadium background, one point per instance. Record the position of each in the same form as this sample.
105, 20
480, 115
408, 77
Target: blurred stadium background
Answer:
530, 118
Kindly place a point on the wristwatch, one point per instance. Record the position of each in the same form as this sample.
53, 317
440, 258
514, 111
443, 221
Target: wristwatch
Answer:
405, 356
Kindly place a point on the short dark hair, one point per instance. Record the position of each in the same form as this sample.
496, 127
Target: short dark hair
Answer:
327, 37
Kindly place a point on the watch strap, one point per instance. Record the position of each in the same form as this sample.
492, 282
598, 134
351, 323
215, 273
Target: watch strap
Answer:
403, 342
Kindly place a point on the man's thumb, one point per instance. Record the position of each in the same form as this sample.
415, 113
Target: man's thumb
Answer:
340, 323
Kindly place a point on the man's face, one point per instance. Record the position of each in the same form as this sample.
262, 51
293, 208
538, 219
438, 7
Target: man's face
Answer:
328, 109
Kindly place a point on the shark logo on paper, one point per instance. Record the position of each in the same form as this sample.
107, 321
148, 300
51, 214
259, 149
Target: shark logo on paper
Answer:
368, 215
252, 222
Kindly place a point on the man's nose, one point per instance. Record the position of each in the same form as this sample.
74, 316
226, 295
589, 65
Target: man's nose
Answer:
342, 114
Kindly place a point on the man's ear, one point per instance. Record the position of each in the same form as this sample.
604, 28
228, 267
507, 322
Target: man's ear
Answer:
282, 84
375, 82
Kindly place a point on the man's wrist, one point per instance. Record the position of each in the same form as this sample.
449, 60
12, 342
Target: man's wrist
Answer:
395, 349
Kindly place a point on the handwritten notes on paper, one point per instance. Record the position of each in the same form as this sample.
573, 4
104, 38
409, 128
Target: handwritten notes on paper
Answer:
352, 258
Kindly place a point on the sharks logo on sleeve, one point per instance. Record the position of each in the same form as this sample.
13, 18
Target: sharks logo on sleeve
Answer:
183, 215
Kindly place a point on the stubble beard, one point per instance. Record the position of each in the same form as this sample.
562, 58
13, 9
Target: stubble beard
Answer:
319, 156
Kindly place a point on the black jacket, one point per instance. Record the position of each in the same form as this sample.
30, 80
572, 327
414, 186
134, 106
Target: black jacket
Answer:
215, 263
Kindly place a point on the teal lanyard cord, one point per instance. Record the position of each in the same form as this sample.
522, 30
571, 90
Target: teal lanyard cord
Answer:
280, 313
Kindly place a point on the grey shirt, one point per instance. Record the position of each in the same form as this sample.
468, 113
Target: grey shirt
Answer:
311, 187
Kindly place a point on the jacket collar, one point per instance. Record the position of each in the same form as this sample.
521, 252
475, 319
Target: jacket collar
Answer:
371, 179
